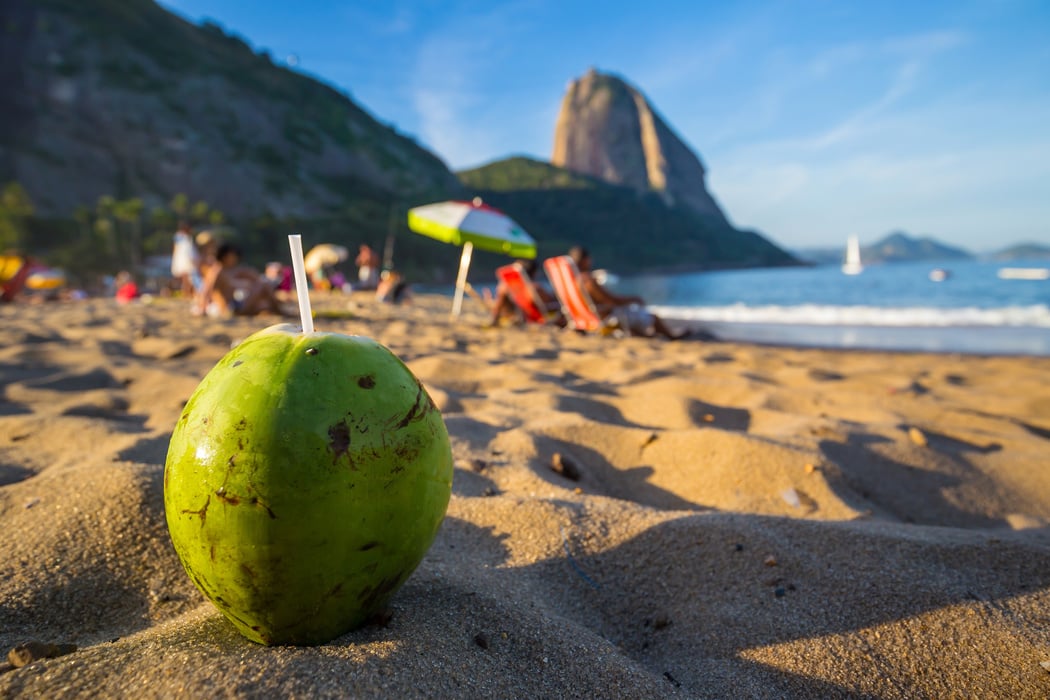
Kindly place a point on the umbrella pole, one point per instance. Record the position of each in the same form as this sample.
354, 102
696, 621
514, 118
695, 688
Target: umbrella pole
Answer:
461, 278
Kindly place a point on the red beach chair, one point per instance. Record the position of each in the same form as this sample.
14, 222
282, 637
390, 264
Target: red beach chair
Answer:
522, 292
576, 304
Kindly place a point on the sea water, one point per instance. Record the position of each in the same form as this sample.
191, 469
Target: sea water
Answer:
890, 307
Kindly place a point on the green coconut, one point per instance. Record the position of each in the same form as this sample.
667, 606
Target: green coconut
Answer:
306, 478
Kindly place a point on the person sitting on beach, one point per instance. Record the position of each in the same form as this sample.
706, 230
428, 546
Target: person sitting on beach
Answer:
628, 310
503, 306
393, 288
279, 276
232, 290
126, 289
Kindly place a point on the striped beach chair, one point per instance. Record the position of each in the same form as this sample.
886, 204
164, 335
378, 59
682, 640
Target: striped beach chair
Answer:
576, 304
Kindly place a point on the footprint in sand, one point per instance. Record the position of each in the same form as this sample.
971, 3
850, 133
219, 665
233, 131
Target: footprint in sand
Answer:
825, 375
12, 474
93, 379
715, 358
724, 417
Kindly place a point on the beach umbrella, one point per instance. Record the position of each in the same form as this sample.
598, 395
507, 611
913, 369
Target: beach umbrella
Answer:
471, 225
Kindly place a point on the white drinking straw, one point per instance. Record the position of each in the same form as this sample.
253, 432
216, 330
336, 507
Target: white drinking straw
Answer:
295, 242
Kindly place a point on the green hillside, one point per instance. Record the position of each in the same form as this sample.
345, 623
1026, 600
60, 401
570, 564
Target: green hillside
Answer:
119, 117
626, 231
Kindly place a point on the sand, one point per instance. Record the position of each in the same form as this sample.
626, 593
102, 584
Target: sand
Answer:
747, 521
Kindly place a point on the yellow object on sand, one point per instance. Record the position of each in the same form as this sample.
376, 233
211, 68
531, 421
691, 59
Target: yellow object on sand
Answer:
9, 266
45, 279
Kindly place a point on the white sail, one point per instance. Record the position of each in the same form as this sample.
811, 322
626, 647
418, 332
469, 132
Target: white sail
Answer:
852, 266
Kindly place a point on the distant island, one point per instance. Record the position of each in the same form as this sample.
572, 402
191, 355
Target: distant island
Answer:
1023, 251
902, 247
897, 246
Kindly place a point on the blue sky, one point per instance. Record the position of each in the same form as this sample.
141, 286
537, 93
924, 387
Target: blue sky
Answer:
815, 119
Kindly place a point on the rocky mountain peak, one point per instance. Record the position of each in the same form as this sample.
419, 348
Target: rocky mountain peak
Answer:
607, 128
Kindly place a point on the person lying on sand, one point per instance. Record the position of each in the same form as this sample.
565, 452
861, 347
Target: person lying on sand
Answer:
629, 310
232, 290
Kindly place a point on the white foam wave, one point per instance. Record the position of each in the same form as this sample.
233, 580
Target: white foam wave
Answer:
818, 315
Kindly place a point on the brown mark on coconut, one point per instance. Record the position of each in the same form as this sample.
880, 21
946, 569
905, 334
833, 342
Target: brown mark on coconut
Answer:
256, 501
202, 513
329, 594
371, 595
228, 498
422, 404
366, 382
339, 442
368, 545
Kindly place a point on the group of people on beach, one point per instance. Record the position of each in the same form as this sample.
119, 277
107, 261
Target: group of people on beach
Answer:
210, 273
213, 276
626, 312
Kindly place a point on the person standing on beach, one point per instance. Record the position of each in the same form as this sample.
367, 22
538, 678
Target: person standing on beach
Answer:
367, 262
628, 310
185, 261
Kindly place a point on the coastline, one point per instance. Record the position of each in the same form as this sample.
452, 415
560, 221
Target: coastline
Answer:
978, 341
748, 521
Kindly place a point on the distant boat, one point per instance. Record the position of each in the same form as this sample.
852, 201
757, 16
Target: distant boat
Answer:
939, 274
1024, 273
852, 266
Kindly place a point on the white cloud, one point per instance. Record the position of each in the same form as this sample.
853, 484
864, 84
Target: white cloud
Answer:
458, 91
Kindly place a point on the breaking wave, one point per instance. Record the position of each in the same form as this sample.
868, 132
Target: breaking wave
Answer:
1037, 316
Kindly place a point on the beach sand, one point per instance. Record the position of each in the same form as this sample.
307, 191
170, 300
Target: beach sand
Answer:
747, 521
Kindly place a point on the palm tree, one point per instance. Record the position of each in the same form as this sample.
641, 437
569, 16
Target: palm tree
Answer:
199, 212
105, 225
180, 204
130, 211
15, 208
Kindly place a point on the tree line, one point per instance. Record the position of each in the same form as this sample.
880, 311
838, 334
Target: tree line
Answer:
122, 234
114, 234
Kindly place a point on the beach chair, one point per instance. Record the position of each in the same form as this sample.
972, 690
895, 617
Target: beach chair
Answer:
522, 292
14, 270
576, 304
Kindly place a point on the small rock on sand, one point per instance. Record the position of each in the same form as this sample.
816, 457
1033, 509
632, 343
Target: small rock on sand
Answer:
33, 650
561, 464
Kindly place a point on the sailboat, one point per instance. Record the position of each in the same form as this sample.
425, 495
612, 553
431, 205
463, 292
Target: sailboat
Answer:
852, 266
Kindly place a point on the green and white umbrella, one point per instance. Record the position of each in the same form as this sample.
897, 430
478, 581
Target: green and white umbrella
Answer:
471, 224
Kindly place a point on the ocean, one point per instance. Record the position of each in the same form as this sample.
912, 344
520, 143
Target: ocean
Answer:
887, 307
